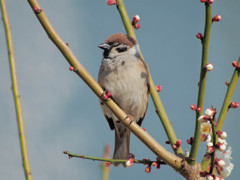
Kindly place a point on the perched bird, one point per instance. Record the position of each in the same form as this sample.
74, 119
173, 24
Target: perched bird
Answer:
125, 75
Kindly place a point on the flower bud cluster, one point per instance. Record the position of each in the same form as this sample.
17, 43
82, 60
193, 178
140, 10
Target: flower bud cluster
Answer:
135, 21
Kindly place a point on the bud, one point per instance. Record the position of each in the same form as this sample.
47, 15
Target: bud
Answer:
111, 2
158, 88
234, 105
107, 164
193, 107
154, 164
220, 162
221, 146
108, 94
217, 18
222, 134
203, 118
203, 1
178, 142
209, 112
137, 26
209, 67
199, 36
190, 141
174, 146
210, 1
235, 64
135, 19
105, 97
227, 83
129, 162
148, 169
71, 68
198, 109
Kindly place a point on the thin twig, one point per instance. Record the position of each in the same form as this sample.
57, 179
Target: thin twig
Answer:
228, 97
202, 82
16, 94
112, 161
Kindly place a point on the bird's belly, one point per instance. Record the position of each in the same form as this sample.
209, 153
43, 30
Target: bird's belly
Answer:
129, 91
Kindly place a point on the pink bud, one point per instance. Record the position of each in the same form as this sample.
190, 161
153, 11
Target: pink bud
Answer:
148, 169
199, 35
203, 1
107, 164
137, 26
209, 67
36, 9
217, 18
193, 107
210, 1
198, 109
234, 105
178, 142
159, 88
174, 146
235, 64
105, 97
71, 68
222, 134
154, 164
129, 162
111, 2
108, 94
144, 129
135, 19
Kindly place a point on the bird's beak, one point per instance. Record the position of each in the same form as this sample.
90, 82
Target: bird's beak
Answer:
104, 46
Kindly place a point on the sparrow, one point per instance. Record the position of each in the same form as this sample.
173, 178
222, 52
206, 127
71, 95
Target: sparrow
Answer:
125, 75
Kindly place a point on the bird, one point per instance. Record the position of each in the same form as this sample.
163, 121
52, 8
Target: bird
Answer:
125, 75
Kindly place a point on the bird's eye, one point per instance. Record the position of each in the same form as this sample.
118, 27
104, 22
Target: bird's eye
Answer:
122, 49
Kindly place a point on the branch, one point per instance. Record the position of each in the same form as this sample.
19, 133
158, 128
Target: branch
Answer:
225, 108
172, 160
112, 161
202, 82
16, 94
228, 97
154, 94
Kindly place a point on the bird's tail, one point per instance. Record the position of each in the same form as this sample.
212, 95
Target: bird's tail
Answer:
122, 145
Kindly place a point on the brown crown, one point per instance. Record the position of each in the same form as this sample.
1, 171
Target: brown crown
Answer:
121, 38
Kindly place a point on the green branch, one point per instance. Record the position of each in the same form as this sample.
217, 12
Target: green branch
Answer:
112, 161
202, 82
228, 97
154, 94
16, 94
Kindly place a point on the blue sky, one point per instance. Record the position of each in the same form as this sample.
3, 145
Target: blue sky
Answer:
61, 113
